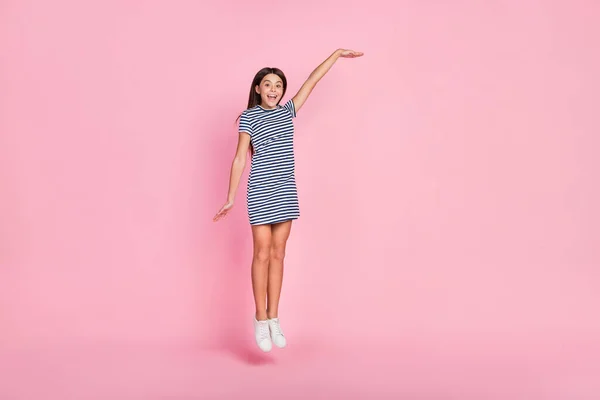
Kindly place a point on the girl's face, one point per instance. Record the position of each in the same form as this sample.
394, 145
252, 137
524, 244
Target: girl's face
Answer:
270, 90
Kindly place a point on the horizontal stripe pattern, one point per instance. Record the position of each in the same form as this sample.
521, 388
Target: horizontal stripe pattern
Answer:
272, 195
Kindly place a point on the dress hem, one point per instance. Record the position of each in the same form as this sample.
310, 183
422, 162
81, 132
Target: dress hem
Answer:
275, 221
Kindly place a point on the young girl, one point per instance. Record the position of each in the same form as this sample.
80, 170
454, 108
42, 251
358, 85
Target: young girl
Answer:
267, 130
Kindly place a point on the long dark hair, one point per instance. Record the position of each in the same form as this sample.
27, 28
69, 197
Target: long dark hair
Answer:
254, 98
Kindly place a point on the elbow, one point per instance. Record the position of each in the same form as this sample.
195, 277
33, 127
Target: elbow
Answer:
239, 161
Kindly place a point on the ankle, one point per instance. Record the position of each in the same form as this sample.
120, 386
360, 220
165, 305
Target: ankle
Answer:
261, 316
271, 315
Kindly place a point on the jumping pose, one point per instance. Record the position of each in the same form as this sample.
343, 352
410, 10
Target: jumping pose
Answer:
267, 130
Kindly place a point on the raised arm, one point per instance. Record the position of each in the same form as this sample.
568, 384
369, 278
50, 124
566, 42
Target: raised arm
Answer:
318, 73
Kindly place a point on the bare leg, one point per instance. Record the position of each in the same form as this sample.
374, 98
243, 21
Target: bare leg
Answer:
279, 236
260, 268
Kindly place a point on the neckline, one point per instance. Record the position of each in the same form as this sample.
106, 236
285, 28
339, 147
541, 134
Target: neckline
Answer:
268, 109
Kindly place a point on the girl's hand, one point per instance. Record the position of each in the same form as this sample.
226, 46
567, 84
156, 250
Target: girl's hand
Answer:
223, 211
350, 53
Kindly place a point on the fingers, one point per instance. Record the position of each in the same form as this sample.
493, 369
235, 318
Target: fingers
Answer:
352, 54
218, 216
223, 212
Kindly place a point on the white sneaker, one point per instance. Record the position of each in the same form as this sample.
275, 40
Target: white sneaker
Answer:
261, 333
276, 333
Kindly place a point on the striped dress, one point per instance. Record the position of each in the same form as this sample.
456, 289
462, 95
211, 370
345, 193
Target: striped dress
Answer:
272, 195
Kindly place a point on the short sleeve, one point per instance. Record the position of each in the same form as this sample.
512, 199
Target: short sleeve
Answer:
289, 105
245, 125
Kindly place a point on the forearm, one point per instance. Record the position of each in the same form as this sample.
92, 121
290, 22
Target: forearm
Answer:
318, 73
325, 66
237, 168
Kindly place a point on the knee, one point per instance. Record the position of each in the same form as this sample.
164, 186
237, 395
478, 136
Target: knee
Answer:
262, 254
277, 253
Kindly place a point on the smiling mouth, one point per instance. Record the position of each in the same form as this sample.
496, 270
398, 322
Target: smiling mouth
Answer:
272, 97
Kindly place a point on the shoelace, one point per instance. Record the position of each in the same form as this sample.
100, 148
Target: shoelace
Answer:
275, 327
263, 331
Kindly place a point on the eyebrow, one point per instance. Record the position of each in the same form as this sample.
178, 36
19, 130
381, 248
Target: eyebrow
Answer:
272, 81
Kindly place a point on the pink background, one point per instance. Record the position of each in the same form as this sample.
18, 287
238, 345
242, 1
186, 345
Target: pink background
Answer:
448, 185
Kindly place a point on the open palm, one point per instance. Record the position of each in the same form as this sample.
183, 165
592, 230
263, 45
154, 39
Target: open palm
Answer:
350, 53
222, 213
